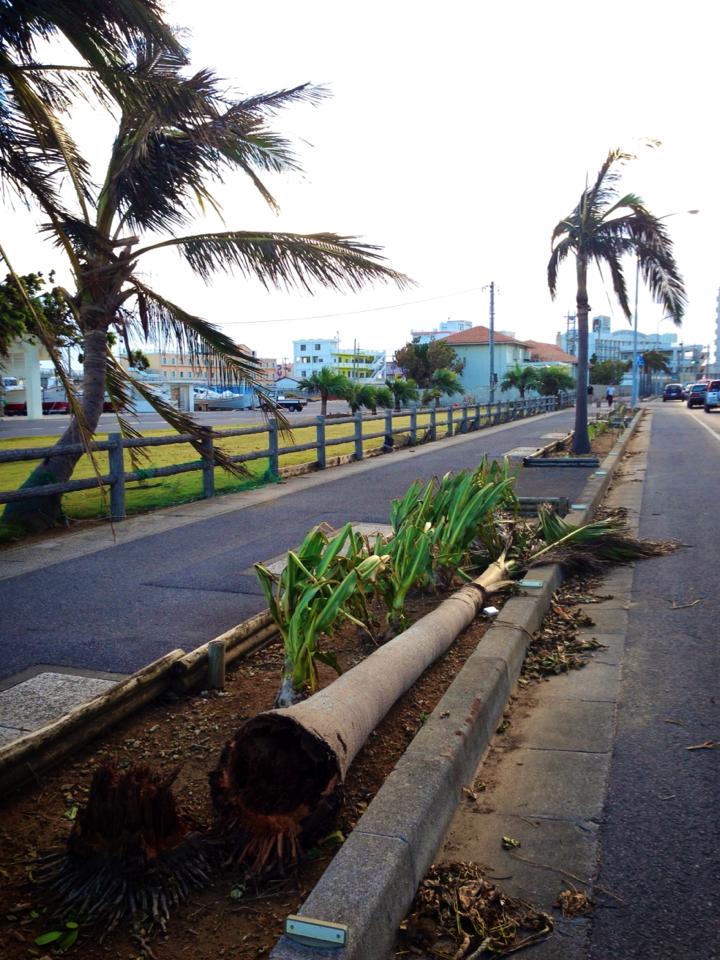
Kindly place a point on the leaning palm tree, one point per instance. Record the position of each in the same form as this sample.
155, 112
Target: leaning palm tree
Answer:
604, 227
327, 382
520, 379
162, 160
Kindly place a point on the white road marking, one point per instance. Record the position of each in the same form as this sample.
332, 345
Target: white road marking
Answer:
700, 423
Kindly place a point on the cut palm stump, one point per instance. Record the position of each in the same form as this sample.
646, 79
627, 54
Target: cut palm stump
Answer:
279, 781
129, 854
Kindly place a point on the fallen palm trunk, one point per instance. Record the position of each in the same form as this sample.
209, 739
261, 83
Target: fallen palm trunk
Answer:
279, 781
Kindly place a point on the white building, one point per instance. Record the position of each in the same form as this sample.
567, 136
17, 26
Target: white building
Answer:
311, 354
446, 328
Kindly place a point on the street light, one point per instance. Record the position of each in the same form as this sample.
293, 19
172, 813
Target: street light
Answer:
635, 378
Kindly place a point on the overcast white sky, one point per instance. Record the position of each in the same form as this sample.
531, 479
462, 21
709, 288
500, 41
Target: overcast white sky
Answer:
458, 134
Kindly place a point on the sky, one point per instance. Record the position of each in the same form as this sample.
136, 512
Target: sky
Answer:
456, 137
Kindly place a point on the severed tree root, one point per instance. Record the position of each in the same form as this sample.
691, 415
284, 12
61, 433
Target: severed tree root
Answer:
276, 790
130, 853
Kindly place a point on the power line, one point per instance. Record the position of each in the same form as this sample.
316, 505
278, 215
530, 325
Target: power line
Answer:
353, 313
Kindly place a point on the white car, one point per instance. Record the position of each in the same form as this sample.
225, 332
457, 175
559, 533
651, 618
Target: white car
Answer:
712, 397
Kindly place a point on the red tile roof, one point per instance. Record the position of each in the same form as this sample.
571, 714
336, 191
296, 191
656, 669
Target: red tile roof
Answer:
479, 335
549, 353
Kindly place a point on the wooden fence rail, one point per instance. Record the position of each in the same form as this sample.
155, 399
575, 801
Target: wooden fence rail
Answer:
456, 420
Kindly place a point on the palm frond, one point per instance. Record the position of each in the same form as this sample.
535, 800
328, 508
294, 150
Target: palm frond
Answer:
286, 260
559, 253
116, 385
183, 423
195, 338
617, 276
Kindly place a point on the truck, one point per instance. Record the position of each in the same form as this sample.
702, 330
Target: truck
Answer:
290, 403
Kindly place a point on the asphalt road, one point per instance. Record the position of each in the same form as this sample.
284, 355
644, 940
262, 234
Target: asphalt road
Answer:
53, 425
659, 837
119, 608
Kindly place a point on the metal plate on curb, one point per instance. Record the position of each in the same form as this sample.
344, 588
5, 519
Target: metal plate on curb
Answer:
578, 506
601, 473
316, 933
531, 584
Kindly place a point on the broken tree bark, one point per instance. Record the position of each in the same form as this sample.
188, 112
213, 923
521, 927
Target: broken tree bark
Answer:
279, 781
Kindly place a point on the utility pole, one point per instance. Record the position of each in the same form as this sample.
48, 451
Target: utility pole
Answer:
492, 341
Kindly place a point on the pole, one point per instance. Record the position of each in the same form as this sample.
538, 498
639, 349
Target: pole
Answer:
635, 394
492, 341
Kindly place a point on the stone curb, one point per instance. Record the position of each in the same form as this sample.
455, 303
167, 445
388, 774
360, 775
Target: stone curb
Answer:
372, 879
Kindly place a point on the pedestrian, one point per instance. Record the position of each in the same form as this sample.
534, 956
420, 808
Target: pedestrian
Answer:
610, 396
591, 391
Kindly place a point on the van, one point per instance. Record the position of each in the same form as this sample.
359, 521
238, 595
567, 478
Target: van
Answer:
712, 397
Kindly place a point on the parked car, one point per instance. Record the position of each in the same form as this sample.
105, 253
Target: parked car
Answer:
686, 390
673, 391
696, 395
712, 396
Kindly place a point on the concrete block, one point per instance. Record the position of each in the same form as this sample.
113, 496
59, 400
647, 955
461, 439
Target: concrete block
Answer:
569, 725
560, 844
8, 734
597, 681
505, 643
559, 784
419, 797
368, 886
34, 702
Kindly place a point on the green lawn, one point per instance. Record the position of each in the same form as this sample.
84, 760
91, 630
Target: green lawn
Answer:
150, 494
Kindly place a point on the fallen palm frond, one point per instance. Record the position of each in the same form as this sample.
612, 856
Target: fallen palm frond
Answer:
458, 912
589, 548
130, 853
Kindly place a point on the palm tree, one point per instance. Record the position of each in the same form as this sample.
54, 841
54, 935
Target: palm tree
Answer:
604, 227
443, 382
520, 379
403, 391
327, 383
162, 159
656, 362
551, 380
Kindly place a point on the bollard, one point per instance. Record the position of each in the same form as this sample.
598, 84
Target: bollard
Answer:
216, 665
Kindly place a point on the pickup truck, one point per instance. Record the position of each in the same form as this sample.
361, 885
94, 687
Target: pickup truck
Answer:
290, 403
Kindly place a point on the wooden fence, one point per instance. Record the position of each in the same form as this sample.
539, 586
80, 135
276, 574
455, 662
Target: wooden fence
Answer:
441, 422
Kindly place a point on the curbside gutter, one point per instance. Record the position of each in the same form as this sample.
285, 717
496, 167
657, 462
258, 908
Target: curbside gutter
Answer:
373, 878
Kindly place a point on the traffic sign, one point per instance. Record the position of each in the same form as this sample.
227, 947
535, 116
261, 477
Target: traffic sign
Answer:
640, 360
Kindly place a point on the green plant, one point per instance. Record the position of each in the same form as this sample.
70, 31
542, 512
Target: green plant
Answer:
322, 582
60, 939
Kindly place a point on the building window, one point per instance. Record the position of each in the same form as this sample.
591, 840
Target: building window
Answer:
318, 347
164, 360
172, 360
173, 374
164, 374
303, 347
318, 359
182, 375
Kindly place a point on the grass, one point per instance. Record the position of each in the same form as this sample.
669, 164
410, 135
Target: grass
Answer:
154, 493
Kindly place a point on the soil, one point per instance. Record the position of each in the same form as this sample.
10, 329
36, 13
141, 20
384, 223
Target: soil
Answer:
225, 919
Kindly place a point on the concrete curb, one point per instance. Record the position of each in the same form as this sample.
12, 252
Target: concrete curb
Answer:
373, 878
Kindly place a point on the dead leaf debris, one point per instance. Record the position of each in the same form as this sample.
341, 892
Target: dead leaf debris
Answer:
459, 913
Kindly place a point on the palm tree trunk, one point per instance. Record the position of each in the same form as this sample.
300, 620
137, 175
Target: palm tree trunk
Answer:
41, 512
581, 439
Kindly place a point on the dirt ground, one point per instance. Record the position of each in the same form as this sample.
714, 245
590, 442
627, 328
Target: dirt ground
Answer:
224, 919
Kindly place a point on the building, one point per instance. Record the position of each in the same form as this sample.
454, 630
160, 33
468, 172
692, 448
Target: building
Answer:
447, 327
22, 377
549, 354
310, 355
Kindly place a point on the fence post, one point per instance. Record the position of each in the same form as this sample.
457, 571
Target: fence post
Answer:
433, 423
358, 436
216, 665
273, 458
464, 419
413, 426
320, 441
208, 463
389, 442
117, 477
449, 422
477, 416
